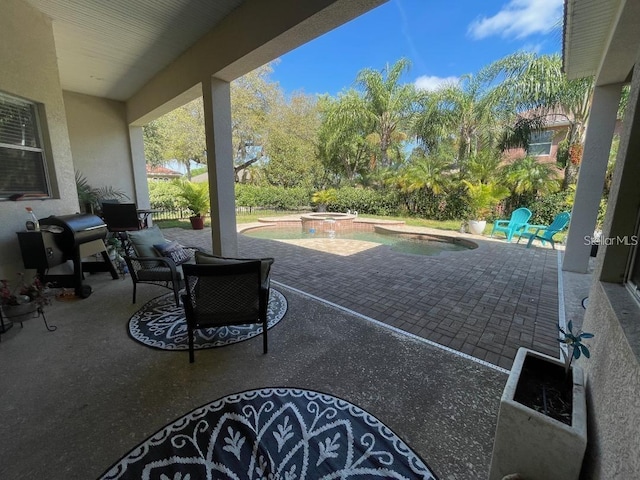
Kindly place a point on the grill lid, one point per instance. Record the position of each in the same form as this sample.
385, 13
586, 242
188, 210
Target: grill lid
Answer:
78, 228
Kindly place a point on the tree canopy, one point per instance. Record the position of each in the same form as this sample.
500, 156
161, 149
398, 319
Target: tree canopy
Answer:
387, 134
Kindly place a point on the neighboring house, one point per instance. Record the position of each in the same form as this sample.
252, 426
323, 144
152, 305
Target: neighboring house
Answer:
543, 144
162, 173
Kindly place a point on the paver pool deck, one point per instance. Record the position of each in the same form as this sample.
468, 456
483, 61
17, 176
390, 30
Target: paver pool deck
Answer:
484, 302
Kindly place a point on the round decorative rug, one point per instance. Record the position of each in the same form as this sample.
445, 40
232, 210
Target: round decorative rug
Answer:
160, 324
272, 433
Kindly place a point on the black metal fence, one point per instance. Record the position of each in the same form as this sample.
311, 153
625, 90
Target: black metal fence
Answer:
184, 214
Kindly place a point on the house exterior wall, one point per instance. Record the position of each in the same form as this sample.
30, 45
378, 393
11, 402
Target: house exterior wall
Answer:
558, 135
613, 315
30, 70
99, 137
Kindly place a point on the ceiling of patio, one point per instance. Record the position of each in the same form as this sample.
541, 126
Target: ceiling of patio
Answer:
601, 38
100, 43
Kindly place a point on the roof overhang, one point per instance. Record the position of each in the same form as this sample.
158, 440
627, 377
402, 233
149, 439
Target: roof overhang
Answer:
157, 51
601, 39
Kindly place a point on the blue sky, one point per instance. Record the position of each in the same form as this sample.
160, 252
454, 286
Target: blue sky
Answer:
443, 39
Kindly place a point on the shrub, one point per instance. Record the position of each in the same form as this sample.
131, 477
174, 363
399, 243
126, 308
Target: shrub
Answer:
452, 205
545, 208
279, 198
364, 200
165, 195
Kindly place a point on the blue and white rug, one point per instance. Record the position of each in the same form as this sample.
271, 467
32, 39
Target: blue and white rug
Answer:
160, 324
270, 434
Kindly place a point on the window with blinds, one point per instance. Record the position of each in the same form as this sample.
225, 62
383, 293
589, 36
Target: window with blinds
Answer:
540, 143
23, 168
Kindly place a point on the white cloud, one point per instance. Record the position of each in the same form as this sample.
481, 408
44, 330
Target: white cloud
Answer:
431, 82
519, 19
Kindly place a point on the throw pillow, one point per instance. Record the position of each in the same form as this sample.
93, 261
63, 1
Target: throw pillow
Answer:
143, 241
173, 250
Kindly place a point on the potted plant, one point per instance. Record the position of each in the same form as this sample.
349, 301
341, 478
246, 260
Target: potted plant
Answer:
196, 199
483, 198
542, 423
24, 298
322, 198
90, 198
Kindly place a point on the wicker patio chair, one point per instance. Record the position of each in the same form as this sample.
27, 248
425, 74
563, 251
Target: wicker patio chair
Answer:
232, 292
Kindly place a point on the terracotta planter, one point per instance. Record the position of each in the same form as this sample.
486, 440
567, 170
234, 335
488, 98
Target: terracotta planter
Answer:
197, 223
533, 444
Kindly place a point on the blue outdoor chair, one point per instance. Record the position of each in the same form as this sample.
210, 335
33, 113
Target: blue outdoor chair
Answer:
515, 225
545, 233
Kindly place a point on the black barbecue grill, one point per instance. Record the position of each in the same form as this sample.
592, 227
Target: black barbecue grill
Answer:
62, 238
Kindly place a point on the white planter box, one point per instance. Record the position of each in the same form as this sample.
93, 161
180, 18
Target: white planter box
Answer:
532, 444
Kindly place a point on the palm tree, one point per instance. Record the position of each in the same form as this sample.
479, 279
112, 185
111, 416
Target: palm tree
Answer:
468, 113
484, 167
386, 106
424, 172
527, 178
536, 88
426, 175
342, 142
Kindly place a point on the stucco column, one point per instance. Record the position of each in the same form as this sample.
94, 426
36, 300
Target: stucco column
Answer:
216, 95
139, 167
597, 145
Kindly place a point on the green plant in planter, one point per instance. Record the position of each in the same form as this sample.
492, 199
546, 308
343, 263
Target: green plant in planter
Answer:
90, 197
195, 197
574, 342
322, 198
483, 198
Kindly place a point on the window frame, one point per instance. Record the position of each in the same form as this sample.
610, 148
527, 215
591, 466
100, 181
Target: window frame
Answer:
36, 111
539, 136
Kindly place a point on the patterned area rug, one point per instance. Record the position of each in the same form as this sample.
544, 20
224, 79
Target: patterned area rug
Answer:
273, 434
160, 324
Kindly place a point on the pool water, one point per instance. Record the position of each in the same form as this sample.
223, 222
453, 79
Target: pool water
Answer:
401, 243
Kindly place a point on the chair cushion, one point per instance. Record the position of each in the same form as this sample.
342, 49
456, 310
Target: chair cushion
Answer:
265, 264
143, 241
175, 251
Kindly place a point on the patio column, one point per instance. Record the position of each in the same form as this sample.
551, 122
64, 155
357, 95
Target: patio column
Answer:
139, 167
597, 146
216, 95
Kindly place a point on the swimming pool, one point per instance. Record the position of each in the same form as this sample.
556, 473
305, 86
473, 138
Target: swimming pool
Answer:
409, 243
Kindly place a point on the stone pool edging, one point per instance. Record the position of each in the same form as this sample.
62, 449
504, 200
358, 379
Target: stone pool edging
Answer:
397, 227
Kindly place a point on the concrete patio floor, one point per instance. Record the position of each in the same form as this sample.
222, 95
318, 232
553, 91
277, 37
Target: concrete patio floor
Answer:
75, 400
